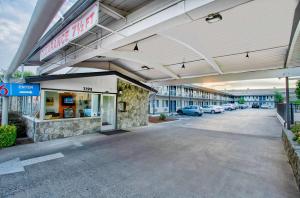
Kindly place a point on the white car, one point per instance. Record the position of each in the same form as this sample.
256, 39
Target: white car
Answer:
265, 106
236, 106
229, 106
212, 109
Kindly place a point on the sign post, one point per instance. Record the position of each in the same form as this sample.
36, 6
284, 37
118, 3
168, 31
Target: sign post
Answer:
4, 117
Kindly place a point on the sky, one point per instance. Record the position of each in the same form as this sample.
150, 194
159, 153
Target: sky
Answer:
14, 18
250, 84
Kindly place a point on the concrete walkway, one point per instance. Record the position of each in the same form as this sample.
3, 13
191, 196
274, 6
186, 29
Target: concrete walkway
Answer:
188, 158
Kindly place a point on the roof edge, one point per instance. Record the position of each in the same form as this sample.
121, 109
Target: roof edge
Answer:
34, 79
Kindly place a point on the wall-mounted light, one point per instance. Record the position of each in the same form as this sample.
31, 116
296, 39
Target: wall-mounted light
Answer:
247, 55
120, 92
213, 18
136, 48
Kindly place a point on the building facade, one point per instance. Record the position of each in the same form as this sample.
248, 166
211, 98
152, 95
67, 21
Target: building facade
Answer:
266, 99
169, 99
260, 96
81, 103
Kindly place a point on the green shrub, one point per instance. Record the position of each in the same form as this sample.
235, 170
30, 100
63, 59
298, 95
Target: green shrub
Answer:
295, 138
8, 135
295, 128
298, 140
17, 120
162, 116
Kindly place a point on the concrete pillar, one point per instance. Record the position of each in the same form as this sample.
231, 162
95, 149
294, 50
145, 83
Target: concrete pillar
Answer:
169, 105
287, 106
4, 119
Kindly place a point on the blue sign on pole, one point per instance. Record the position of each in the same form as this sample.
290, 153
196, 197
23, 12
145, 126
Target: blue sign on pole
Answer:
19, 89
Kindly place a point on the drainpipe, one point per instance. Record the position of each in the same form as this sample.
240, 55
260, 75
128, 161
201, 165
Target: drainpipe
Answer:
42, 16
287, 106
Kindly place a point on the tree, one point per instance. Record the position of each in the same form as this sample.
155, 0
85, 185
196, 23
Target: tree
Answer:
241, 101
18, 74
297, 90
278, 97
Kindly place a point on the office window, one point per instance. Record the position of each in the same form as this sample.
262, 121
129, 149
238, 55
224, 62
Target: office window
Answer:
60, 105
157, 103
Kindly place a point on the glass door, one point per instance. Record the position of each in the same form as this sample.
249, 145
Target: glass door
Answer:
108, 111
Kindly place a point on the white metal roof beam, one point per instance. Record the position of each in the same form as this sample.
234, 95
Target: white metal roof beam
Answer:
110, 30
113, 12
141, 58
83, 46
42, 15
109, 66
138, 57
195, 49
140, 25
262, 74
295, 38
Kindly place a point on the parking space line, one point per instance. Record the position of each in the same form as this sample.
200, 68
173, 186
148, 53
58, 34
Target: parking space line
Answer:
41, 159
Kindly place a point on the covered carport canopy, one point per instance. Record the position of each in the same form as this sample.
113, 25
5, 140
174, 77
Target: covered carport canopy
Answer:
175, 41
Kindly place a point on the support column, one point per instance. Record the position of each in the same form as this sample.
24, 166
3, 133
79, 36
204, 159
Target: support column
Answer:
287, 106
154, 104
169, 100
4, 119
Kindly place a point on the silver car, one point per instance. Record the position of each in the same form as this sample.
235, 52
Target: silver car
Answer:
191, 110
212, 109
229, 107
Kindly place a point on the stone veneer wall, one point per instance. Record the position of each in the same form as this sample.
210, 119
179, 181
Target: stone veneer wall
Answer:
293, 152
136, 100
52, 129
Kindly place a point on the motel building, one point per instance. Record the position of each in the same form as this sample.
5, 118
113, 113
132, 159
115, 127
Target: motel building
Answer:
81, 103
140, 45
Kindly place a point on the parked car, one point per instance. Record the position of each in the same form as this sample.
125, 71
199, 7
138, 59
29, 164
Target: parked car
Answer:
266, 106
228, 107
255, 105
243, 106
191, 110
212, 109
222, 108
236, 105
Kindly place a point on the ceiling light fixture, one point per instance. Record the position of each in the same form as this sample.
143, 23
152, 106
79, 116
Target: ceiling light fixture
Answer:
145, 67
247, 55
183, 66
213, 18
136, 48
101, 56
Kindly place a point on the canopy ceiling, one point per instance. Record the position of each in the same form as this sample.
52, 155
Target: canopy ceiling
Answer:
252, 36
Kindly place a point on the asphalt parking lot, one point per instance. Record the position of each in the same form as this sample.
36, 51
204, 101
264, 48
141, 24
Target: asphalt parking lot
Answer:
235, 154
244, 121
